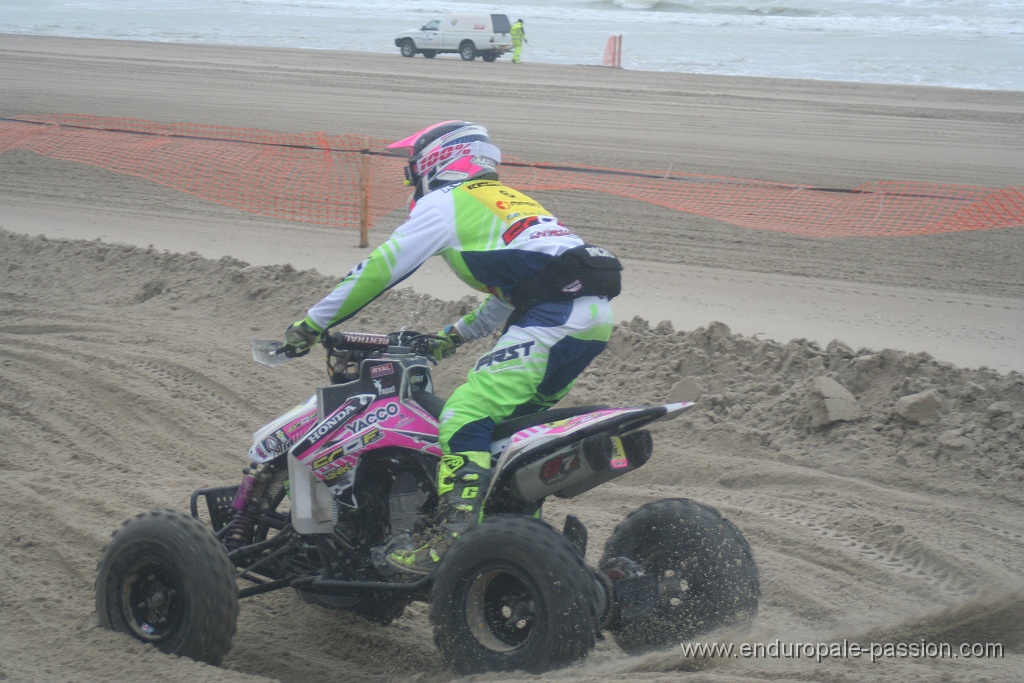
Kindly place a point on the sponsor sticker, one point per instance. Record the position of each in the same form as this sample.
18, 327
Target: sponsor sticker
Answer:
505, 354
382, 370
618, 460
272, 444
384, 388
373, 417
482, 183
559, 468
504, 206
517, 228
330, 424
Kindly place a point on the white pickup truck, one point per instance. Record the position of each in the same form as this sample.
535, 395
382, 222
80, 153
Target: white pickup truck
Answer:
486, 35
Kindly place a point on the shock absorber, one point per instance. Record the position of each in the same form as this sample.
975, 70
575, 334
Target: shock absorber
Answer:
247, 507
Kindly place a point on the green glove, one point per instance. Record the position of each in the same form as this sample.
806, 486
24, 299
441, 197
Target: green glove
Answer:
300, 337
444, 346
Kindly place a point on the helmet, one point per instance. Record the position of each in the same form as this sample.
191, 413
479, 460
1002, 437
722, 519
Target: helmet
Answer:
447, 152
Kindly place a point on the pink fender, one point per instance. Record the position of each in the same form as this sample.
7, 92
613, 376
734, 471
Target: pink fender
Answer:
554, 429
531, 438
384, 423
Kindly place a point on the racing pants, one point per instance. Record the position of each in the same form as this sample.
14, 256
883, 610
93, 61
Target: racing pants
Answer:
530, 368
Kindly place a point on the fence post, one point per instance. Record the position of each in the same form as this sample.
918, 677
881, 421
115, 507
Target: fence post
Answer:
364, 196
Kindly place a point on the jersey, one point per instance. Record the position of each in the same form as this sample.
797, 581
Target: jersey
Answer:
490, 235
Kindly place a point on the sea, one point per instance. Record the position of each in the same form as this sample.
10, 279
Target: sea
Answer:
949, 43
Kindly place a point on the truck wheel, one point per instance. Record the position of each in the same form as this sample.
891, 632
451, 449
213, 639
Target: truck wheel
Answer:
430, 54
408, 48
514, 594
165, 579
708, 578
489, 56
467, 50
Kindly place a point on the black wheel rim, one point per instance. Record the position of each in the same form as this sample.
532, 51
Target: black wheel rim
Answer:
679, 580
501, 609
676, 586
152, 601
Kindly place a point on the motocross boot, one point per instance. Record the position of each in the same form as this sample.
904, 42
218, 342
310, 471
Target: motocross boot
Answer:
462, 480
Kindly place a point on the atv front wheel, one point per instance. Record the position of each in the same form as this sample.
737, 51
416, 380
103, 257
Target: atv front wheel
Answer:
165, 579
514, 594
706, 573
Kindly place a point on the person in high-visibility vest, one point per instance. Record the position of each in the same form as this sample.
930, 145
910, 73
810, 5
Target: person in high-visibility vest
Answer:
518, 38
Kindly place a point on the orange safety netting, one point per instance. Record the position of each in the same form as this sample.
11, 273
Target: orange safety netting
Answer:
350, 181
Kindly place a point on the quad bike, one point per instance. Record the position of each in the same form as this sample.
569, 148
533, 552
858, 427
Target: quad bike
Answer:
333, 479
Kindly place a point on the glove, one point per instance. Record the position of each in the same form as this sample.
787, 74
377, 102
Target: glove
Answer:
444, 346
300, 337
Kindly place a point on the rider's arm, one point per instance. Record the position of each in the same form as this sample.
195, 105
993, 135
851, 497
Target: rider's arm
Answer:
484, 319
423, 235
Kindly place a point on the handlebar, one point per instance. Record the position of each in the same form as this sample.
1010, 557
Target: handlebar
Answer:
350, 347
364, 343
356, 341
347, 350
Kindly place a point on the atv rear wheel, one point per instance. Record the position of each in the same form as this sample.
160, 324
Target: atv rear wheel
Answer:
165, 579
514, 594
707, 575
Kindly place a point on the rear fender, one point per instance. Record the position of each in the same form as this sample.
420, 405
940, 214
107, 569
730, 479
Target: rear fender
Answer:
529, 445
550, 435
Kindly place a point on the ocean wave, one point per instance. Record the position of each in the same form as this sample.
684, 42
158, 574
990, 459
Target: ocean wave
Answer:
711, 7
768, 9
1004, 10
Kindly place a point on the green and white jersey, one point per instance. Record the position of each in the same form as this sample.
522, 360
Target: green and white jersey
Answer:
490, 235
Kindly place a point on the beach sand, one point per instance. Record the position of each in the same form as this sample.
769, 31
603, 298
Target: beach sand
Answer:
127, 307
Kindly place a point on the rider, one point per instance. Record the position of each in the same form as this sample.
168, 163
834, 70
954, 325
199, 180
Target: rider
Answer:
549, 289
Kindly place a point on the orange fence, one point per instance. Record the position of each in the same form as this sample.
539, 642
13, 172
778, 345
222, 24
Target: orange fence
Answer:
350, 181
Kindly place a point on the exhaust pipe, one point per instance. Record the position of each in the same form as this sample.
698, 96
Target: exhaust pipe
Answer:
570, 471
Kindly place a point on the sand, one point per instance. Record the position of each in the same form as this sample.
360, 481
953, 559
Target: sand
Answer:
125, 379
